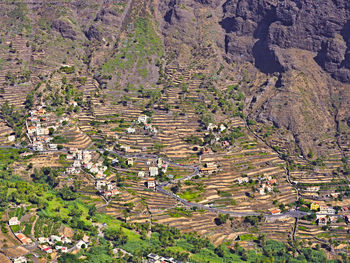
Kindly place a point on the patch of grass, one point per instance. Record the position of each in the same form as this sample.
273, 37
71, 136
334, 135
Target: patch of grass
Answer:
248, 237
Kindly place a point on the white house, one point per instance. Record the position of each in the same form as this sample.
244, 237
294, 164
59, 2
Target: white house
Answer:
46, 249
81, 244
43, 240
55, 238
211, 127
142, 119
20, 260
153, 171
130, 161
62, 249
130, 130
11, 138
14, 221
77, 164
100, 184
141, 174
151, 183
222, 127
53, 146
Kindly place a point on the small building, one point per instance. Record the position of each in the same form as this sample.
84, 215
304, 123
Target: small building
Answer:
143, 119
275, 211
69, 157
326, 210
31, 130
14, 221
53, 146
77, 164
62, 249
11, 138
38, 146
130, 130
20, 260
151, 183
81, 244
100, 175
242, 180
94, 169
25, 240
153, 171
212, 127
101, 184
222, 127
46, 249
125, 148
130, 161
321, 220
55, 238
141, 174
211, 165
43, 240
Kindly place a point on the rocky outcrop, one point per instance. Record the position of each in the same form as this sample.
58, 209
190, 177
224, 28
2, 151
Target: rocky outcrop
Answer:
64, 28
93, 33
258, 31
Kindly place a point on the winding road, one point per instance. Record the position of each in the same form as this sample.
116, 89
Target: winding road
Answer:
196, 171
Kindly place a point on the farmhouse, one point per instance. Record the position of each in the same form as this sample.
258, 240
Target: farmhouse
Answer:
46, 249
275, 211
130, 161
14, 221
62, 249
153, 171
130, 130
25, 240
242, 180
43, 240
20, 260
142, 119
81, 244
53, 147
151, 183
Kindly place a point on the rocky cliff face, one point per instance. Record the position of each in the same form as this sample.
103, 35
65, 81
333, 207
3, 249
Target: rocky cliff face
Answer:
306, 42
258, 31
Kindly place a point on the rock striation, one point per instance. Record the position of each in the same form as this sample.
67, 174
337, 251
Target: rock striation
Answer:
259, 31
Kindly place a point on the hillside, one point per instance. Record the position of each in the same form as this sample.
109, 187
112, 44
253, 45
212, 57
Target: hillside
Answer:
229, 119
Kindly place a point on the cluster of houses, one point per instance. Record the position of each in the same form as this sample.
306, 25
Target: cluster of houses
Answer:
60, 244
107, 189
153, 171
153, 258
54, 242
81, 159
20, 236
266, 184
48, 245
144, 120
216, 129
38, 127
